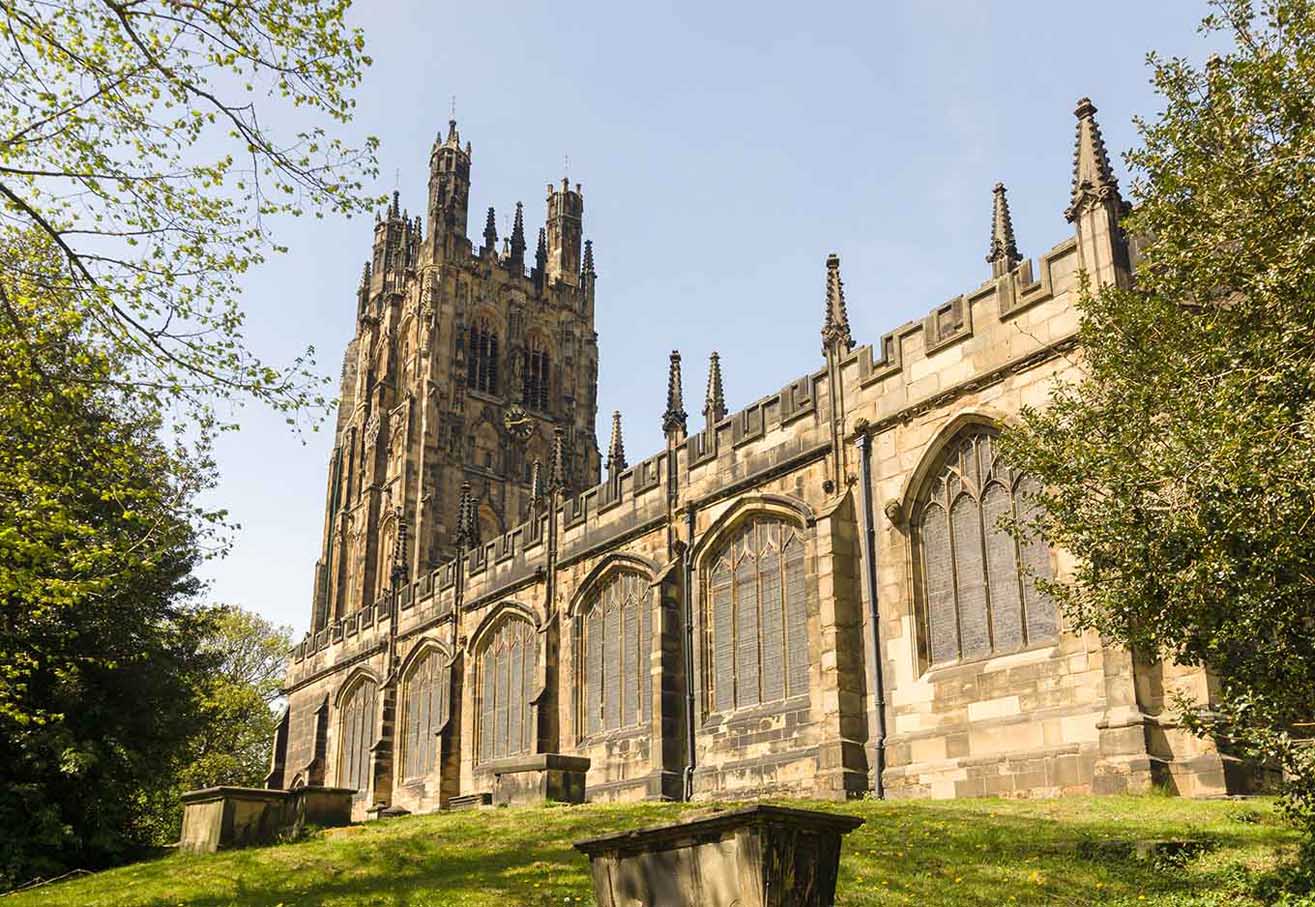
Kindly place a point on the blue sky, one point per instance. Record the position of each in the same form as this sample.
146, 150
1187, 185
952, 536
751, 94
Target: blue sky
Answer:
724, 149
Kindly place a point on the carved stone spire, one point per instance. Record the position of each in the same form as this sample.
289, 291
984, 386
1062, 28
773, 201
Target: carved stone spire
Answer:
674, 418
491, 231
587, 269
835, 329
541, 259
536, 482
517, 259
400, 572
463, 517
472, 522
714, 409
453, 137
1093, 178
557, 472
616, 450
1003, 255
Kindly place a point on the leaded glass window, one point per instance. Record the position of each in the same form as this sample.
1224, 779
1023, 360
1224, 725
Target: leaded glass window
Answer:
614, 641
504, 683
976, 590
755, 620
425, 697
356, 732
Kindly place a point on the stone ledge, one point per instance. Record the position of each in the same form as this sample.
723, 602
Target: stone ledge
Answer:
539, 762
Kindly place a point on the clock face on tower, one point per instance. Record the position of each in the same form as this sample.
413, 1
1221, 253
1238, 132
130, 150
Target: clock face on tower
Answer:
518, 423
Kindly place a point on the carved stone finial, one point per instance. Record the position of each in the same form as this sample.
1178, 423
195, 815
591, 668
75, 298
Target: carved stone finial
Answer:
674, 418
1093, 178
587, 269
1003, 255
835, 328
714, 409
518, 240
463, 517
616, 451
536, 482
400, 573
491, 231
557, 475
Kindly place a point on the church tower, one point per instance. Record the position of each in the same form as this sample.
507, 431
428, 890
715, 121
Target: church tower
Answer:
463, 366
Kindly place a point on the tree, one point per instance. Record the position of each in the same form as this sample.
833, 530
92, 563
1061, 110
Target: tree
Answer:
1180, 466
100, 653
238, 699
130, 135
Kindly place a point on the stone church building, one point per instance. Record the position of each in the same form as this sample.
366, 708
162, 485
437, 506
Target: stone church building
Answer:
811, 596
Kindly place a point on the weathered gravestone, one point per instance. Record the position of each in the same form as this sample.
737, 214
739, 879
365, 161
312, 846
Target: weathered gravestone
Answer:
218, 818
759, 856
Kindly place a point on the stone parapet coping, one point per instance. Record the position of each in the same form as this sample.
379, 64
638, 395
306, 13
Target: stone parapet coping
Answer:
703, 828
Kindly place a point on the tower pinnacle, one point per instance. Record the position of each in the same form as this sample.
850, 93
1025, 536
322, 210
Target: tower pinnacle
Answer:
1093, 178
587, 269
491, 231
835, 329
674, 418
1003, 255
616, 451
517, 259
714, 410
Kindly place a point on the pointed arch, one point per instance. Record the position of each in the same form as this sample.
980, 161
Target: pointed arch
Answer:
354, 676
753, 604
898, 509
785, 506
612, 635
617, 560
356, 706
425, 706
975, 591
505, 683
497, 613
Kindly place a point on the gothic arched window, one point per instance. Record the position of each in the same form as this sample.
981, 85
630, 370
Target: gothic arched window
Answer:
613, 645
356, 730
482, 358
535, 381
976, 593
425, 696
755, 618
504, 681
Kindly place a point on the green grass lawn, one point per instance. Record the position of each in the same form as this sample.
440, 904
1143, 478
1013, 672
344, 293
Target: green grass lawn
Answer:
965, 852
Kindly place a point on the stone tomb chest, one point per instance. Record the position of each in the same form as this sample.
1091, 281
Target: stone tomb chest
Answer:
759, 856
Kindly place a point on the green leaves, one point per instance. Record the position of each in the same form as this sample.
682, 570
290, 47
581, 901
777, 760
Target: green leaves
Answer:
119, 141
1180, 465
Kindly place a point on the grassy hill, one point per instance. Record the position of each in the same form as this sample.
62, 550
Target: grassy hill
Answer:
967, 852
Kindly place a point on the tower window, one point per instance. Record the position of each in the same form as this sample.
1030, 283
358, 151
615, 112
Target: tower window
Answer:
534, 388
975, 595
482, 358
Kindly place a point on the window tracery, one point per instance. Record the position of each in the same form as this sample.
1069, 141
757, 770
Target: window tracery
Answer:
976, 589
